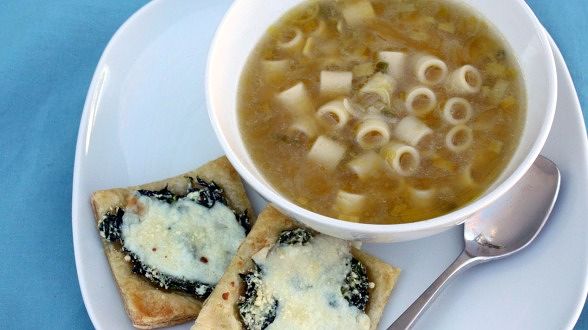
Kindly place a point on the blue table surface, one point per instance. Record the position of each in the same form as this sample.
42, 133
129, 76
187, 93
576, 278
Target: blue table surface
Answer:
48, 52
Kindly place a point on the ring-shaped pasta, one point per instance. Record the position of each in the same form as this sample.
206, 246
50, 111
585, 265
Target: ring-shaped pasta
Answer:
333, 114
457, 111
411, 130
372, 133
430, 70
465, 80
335, 82
420, 101
404, 160
291, 39
459, 138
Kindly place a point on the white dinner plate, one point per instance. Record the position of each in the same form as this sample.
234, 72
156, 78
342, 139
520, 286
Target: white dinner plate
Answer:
145, 119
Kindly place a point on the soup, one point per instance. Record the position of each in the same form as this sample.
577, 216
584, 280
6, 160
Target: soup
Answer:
381, 111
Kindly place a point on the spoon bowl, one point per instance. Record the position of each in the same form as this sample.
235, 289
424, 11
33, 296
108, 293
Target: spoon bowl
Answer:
503, 228
513, 221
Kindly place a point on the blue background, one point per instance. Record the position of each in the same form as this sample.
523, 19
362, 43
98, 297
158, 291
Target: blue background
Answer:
48, 52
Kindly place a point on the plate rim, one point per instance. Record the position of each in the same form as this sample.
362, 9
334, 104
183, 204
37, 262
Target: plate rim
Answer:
82, 139
557, 54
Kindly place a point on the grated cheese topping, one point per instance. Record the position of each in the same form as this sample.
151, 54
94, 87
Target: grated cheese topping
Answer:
306, 281
184, 239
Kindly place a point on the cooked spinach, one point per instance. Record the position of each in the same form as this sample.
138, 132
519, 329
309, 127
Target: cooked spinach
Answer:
244, 221
298, 236
382, 67
210, 193
201, 290
163, 195
109, 227
207, 193
356, 284
201, 192
257, 312
258, 316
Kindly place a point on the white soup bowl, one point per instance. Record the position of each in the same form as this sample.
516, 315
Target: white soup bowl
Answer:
247, 21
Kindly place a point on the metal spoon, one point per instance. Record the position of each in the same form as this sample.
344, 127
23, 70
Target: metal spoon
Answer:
505, 227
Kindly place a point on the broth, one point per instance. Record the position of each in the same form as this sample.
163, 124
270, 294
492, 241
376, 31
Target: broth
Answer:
338, 126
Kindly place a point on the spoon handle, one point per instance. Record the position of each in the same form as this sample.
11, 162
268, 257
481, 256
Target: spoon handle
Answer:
409, 317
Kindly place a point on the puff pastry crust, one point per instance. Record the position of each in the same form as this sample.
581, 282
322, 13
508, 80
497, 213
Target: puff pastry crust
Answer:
147, 305
220, 310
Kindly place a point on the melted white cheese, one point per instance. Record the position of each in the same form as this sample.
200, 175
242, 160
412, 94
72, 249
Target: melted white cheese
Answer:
306, 281
185, 239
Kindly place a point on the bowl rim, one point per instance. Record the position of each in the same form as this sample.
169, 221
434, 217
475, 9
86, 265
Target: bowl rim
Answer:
452, 218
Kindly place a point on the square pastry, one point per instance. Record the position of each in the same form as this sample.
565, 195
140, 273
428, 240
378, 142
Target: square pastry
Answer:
169, 242
287, 276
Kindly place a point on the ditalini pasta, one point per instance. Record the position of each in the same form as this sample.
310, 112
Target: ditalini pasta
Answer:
395, 62
292, 39
459, 138
400, 158
333, 114
457, 111
381, 85
358, 12
411, 130
366, 164
296, 99
326, 152
372, 133
387, 101
430, 70
465, 80
335, 82
321, 29
465, 178
303, 127
349, 204
421, 197
420, 101
275, 69
309, 47
352, 108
